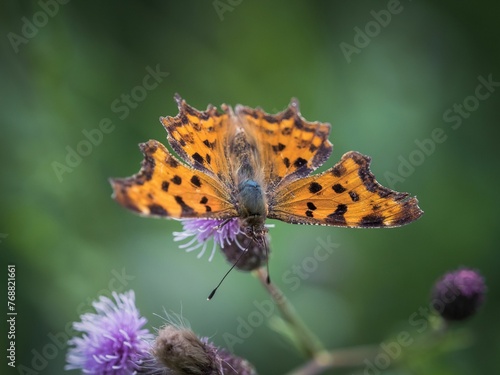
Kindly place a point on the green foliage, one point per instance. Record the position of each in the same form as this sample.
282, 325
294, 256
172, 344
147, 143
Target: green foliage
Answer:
76, 102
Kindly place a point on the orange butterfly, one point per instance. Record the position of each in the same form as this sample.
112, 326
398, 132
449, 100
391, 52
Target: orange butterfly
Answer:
247, 164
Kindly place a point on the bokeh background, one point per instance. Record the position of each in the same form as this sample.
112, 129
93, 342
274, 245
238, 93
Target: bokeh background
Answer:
69, 239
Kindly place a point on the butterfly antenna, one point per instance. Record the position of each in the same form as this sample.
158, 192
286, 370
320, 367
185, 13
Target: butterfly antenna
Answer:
211, 295
268, 278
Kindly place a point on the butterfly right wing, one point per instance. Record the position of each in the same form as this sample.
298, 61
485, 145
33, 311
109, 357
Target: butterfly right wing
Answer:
289, 146
165, 187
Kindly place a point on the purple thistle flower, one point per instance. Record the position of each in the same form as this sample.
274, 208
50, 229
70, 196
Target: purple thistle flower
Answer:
113, 340
458, 294
203, 230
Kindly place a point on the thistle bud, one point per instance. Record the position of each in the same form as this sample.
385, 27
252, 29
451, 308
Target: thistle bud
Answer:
247, 253
458, 294
177, 350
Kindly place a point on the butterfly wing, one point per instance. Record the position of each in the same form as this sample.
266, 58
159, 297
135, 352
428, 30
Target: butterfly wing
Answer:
200, 138
288, 145
346, 195
165, 187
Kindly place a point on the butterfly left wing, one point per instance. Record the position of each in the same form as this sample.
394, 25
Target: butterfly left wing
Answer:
165, 187
346, 195
200, 138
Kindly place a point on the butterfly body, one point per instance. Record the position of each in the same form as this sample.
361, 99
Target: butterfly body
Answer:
249, 195
250, 165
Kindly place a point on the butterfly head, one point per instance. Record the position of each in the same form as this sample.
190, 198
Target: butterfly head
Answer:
256, 230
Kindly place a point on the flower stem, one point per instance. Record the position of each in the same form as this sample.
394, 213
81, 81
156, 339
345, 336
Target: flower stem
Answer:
309, 343
342, 358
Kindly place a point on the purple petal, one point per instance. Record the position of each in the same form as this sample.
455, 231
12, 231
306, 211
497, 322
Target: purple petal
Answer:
113, 341
199, 231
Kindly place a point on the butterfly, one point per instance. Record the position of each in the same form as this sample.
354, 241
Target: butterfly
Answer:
244, 163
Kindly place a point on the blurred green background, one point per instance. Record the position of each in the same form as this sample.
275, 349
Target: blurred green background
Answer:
69, 239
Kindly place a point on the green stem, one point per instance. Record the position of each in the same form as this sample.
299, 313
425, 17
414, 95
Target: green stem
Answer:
310, 344
342, 358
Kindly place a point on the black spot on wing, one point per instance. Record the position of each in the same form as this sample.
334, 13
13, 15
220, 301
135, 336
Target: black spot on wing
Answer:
209, 144
314, 187
279, 147
204, 200
311, 206
299, 162
165, 185
186, 210
156, 209
196, 126
354, 196
197, 157
309, 213
338, 188
338, 170
171, 162
195, 180
176, 180
286, 161
341, 209
303, 143
337, 217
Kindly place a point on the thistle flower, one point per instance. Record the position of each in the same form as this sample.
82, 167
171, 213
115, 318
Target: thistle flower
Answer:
114, 340
229, 236
458, 294
204, 230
